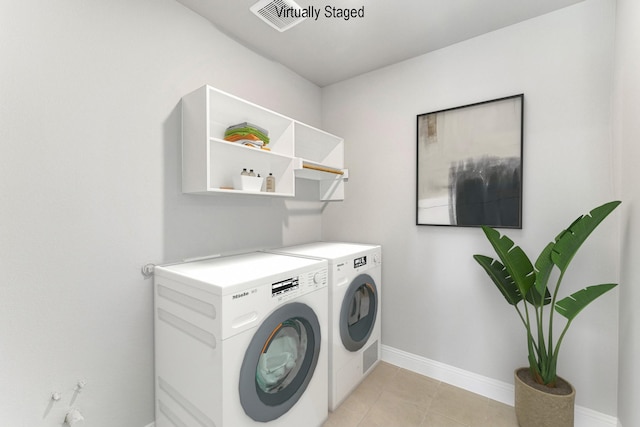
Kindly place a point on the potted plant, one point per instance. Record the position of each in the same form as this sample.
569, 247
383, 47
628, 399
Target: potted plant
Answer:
538, 398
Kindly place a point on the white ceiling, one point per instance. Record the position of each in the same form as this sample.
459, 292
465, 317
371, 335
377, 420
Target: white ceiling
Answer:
330, 49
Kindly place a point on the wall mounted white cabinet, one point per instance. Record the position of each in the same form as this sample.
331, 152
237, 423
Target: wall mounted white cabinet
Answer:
296, 150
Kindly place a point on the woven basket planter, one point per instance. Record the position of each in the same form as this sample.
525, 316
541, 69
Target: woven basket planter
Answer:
537, 407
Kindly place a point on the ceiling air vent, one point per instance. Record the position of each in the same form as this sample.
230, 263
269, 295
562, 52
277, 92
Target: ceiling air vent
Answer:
280, 14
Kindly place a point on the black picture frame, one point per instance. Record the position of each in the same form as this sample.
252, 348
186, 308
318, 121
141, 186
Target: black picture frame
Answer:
469, 164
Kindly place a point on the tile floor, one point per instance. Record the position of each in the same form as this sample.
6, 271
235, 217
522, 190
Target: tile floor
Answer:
394, 397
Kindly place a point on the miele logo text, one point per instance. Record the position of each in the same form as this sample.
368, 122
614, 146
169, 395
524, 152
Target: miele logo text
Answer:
240, 295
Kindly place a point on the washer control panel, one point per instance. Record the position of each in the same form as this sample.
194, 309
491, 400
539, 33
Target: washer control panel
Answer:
299, 285
284, 286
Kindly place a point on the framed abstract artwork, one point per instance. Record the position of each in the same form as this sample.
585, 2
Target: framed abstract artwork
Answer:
469, 165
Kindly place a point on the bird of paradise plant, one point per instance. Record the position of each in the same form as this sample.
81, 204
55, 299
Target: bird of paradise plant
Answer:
520, 282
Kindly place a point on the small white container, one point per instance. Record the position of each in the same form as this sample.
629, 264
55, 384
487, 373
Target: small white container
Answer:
247, 183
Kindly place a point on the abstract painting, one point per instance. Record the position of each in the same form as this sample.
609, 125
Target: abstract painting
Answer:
469, 170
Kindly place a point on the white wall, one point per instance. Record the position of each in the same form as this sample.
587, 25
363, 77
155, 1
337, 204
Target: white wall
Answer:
90, 191
438, 303
627, 137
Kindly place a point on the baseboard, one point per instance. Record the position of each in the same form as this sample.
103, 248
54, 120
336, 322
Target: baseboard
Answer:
479, 384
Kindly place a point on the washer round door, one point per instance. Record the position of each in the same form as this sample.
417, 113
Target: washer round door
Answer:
358, 312
279, 362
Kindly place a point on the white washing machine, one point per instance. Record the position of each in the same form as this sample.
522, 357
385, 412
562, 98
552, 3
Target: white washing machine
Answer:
355, 274
241, 341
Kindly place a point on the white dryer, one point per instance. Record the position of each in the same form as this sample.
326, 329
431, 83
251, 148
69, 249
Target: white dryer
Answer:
241, 341
355, 274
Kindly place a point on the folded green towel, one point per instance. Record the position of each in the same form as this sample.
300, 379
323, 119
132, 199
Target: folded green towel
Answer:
249, 125
248, 131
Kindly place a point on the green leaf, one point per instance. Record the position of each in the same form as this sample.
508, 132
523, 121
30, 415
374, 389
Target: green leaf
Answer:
501, 278
570, 306
544, 266
513, 258
534, 297
569, 241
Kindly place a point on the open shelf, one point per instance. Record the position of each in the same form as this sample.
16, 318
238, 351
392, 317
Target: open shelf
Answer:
209, 163
250, 193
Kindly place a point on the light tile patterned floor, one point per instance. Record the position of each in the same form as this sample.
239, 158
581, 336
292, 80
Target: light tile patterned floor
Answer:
394, 397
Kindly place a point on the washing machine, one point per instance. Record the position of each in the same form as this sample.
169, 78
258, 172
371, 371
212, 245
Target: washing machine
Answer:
355, 274
241, 341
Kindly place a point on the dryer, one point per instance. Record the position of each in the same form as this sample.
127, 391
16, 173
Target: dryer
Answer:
241, 341
355, 274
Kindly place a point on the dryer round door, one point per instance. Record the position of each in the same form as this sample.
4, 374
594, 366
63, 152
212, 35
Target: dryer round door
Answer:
279, 362
358, 312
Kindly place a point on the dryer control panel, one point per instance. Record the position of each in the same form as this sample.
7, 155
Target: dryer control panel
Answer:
360, 262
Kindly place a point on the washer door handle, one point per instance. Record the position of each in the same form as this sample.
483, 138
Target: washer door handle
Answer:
244, 320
